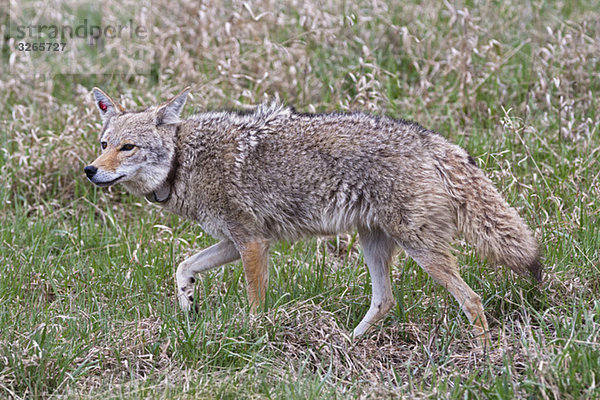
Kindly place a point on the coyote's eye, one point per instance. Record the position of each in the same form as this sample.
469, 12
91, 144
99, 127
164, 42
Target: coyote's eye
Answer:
127, 147
103, 145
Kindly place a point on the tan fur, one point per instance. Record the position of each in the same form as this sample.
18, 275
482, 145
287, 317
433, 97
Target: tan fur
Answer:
255, 259
109, 160
274, 174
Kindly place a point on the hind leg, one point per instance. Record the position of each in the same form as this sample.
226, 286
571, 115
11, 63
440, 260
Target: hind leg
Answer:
443, 268
378, 249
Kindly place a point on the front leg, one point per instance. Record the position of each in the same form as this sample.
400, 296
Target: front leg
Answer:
216, 255
255, 256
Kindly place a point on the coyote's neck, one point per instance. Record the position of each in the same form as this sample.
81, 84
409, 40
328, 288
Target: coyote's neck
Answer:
163, 192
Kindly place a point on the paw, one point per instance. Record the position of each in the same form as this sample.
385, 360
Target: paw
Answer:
360, 330
185, 294
185, 298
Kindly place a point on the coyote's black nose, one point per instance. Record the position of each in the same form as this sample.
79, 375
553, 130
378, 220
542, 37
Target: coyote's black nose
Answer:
90, 171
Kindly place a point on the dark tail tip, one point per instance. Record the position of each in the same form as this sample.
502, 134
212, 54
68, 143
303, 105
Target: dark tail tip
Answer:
536, 269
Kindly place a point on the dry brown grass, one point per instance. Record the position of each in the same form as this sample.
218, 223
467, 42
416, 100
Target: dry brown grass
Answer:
236, 54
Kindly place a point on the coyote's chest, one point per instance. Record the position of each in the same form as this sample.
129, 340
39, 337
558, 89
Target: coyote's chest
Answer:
194, 205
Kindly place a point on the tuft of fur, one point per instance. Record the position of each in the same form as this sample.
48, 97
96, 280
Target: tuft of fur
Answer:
535, 268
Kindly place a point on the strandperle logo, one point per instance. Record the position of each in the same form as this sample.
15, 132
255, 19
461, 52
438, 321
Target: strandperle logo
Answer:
112, 37
82, 31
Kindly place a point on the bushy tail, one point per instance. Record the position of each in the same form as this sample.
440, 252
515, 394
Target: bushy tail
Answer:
485, 218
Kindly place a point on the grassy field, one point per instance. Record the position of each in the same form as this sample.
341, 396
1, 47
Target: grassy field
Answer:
87, 299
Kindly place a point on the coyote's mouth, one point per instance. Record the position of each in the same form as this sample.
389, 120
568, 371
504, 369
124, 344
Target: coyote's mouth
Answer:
108, 183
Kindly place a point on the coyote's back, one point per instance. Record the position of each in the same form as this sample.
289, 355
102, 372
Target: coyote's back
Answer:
272, 173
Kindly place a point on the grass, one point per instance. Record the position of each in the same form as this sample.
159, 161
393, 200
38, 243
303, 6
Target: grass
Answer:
87, 303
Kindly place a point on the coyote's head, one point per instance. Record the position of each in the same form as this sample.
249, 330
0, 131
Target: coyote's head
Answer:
138, 148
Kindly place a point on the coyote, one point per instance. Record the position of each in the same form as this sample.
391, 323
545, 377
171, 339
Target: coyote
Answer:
250, 178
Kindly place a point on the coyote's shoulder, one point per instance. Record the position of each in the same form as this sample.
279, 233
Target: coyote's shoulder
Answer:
250, 178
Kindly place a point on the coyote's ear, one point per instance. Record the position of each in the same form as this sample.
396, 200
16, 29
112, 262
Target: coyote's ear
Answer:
168, 113
105, 104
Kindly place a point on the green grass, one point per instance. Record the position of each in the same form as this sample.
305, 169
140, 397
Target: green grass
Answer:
87, 299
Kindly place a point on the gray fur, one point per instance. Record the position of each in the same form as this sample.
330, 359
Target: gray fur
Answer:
275, 174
